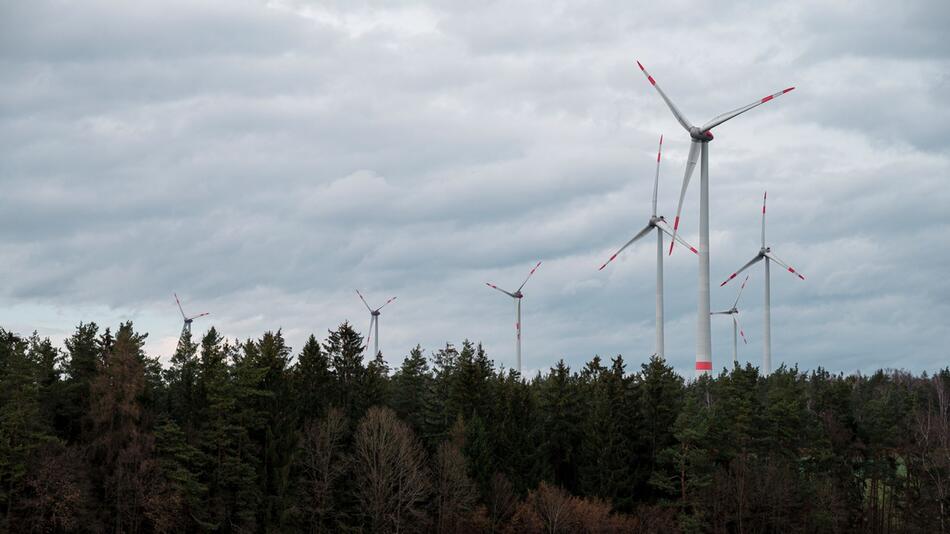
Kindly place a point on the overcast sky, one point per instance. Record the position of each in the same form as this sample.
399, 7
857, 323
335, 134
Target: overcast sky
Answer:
263, 159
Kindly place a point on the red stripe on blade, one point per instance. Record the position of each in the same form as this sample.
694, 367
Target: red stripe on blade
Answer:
766, 99
652, 81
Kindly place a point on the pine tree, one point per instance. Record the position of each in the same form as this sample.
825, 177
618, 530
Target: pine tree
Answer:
82, 366
345, 348
561, 424
312, 380
135, 493
229, 474
412, 385
182, 385
22, 431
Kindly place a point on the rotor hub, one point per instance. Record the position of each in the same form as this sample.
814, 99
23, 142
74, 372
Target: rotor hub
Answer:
518, 295
700, 135
375, 313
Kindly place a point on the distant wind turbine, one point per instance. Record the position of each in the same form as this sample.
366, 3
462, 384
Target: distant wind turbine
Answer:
187, 325
659, 223
699, 149
517, 295
765, 253
734, 312
373, 322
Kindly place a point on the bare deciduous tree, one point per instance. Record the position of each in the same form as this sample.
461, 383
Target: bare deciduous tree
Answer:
501, 501
322, 463
455, 491
392, 479
933, 439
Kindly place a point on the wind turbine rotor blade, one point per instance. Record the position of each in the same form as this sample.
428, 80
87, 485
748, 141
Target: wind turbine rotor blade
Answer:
783, 264
752, 262
765, 195
727, 312
735, 318
739, 111
533, 269
364, 301
736, 303
694, 149
493, 286
656, 179
684, 122
369, 332
200, 315
642, 233
661, 224
179, 307
387, 302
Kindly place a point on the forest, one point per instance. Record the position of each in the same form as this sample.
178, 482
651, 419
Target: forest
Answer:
252, 436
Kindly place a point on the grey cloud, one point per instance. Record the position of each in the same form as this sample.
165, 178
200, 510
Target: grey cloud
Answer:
265, 159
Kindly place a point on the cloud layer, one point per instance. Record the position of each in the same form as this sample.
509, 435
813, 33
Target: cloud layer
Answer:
264, 159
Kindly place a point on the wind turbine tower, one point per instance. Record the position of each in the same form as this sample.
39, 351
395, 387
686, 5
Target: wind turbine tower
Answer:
517, 295
765, 253
373, 323
699, 150
186, 327
658, 223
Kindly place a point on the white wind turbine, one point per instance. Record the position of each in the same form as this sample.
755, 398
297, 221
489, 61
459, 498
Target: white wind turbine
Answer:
734, 312
699, 149
187, 320
373, 322
517, 295
765, 253
660, 225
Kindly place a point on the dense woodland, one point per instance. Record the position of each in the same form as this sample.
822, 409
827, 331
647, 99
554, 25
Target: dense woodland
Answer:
250, 436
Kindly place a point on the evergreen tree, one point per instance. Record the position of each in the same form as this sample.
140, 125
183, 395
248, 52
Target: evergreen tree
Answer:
82, 366
134, 492
22, 431
345, 348
182, 384
312, 380
412, 385
229, 474
561, 424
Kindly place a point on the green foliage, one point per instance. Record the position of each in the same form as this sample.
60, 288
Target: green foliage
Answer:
243, 437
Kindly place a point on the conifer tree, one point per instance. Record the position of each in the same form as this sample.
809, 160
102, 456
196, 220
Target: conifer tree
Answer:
312, 380
22, 431
411, 388
345, 349
82, 366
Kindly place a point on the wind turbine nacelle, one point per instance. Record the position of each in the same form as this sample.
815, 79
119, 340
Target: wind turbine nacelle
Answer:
700, 135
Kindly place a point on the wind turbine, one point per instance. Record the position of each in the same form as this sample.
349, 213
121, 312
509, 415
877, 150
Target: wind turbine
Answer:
699, 149
660, 225
373, 321
187, 326
734, 312
517, 295
765, 253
